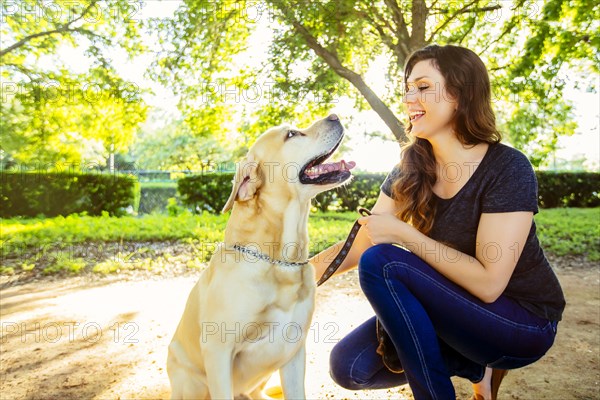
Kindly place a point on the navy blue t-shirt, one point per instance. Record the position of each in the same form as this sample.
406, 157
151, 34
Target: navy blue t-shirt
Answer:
504, 181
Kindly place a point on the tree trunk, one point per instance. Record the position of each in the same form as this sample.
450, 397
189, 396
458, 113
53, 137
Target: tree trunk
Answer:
355, 79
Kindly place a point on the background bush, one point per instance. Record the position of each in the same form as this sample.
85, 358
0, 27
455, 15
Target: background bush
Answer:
568, 189
361, 192
31, 194
209, 192
556, 189
34, 194
154, 196
206, 192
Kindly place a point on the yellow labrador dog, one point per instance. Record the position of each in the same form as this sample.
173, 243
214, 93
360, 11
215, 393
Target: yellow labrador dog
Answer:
249, 314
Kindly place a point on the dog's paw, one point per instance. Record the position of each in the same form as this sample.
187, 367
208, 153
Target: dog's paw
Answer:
274, 392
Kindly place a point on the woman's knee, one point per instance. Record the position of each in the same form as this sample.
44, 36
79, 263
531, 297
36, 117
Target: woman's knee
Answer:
372, 262
340, 369
353, 361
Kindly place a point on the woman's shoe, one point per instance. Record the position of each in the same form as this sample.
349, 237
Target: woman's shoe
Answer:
386, 349
497, 377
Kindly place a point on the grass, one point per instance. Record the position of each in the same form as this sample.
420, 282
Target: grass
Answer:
561, 231
20, 233
570, 231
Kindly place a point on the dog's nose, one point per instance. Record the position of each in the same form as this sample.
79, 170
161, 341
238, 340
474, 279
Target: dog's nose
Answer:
333, 117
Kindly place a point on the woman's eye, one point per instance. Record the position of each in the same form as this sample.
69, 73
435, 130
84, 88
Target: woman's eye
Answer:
414, 89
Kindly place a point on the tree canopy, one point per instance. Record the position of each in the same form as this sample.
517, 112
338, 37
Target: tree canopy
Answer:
50, 113
243, 66
326, 49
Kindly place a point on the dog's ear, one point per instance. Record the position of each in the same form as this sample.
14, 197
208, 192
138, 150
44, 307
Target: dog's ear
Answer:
245, 183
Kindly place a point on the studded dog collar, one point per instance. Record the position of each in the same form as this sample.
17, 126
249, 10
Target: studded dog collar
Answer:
264, 257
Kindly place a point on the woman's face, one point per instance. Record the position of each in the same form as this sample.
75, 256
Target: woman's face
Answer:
429, 106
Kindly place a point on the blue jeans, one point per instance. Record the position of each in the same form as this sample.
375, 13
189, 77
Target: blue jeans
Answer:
439, 329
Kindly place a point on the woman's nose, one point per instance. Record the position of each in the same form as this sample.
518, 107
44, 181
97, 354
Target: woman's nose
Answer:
410, 95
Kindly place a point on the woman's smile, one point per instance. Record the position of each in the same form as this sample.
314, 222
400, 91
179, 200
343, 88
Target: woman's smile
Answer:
416, 115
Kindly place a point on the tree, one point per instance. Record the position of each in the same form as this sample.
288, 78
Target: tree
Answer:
50, 114
563, 36
336, 42
167, 143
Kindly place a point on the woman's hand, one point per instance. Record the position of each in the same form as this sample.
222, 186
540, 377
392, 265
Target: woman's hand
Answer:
383, 228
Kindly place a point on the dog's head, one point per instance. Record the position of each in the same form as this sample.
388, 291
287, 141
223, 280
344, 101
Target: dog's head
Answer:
290, 163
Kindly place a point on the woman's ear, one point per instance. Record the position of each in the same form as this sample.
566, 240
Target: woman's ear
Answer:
245, 183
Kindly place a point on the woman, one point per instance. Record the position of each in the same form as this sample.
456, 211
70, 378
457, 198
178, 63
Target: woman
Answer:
470, 292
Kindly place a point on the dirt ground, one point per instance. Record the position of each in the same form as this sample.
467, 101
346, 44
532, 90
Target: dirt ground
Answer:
96, 337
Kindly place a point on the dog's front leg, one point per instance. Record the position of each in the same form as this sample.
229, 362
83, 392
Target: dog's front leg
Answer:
218, 364
292, 376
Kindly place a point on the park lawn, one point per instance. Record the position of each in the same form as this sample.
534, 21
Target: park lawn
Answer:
570, 231
562, 232
19, 234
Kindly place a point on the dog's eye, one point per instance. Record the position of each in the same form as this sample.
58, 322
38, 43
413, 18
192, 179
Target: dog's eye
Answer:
291, 134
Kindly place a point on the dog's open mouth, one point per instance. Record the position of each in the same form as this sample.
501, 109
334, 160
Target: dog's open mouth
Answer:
317, 172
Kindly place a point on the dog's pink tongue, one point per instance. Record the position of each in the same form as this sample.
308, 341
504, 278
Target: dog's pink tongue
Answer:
348, 165
338, 166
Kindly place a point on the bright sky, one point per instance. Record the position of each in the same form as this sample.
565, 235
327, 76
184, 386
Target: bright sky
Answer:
370, 154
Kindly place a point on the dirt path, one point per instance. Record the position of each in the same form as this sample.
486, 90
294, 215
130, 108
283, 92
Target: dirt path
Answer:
92, 338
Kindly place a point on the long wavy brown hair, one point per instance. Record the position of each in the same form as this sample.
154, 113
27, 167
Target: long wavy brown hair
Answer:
473, 122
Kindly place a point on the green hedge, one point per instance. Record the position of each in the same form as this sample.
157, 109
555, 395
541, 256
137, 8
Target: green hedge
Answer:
209, 192
362, 191
32, 194
206, 192
568, 189
154, 197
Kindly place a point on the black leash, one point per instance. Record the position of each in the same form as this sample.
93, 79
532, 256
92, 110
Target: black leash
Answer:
337, 261
386, 348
